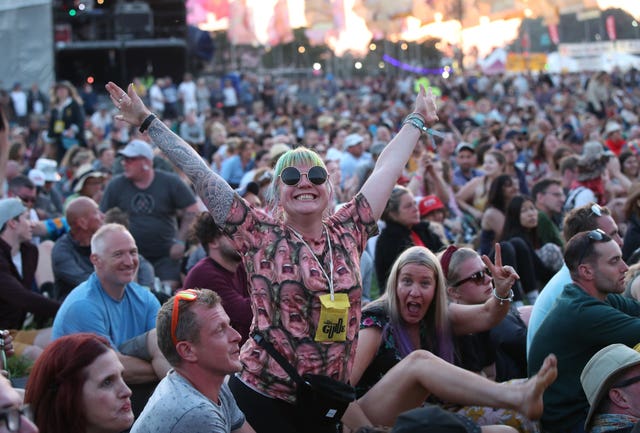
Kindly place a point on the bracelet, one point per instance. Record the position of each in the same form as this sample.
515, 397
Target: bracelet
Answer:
147, 122
508, 298
416, 120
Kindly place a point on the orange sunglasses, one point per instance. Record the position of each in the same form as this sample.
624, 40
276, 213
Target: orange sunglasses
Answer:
188, 295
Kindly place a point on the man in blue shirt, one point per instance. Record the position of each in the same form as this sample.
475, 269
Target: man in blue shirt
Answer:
112, 305
466, 160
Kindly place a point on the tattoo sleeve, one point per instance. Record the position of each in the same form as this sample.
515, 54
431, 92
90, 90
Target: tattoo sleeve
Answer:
214, 191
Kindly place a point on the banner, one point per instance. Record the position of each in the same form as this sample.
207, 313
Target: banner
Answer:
279, 29
553, 33
241, 29
611, 27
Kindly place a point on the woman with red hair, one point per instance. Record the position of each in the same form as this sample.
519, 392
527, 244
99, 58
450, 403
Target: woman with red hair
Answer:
76, 386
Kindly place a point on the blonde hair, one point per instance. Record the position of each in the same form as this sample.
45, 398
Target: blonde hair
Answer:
436, 320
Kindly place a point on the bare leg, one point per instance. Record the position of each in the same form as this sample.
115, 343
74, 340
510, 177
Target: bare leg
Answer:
44, 270
43, 338
411, 381
159, 363
498, 429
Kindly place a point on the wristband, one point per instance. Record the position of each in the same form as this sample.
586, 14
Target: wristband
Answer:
147, 122
416, 120
508, 298
178, 241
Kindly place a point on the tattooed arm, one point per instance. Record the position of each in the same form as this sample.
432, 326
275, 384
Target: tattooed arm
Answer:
215, 192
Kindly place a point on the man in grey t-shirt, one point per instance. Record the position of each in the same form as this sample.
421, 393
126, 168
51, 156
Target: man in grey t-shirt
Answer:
195, 335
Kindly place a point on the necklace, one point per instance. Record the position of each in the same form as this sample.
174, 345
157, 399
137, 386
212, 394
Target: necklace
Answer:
329, 278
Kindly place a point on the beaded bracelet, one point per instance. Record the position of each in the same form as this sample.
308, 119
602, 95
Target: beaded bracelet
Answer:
508, 298
147, 122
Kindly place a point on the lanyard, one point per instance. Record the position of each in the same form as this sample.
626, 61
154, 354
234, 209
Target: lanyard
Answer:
330, 280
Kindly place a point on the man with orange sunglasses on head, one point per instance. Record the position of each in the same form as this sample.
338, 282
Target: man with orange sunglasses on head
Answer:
195, 335
112, 305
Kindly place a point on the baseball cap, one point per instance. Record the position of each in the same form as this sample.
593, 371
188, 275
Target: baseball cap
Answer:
36, 176
464, 146
599, 373
429, 204
50, 169
352, 140
511, 134
137, 148
251, 187
430, 419
9, 209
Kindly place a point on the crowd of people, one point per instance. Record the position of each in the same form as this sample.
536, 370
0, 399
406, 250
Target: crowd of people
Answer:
468, 259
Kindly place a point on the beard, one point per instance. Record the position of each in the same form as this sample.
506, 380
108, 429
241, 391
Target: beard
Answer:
230, 253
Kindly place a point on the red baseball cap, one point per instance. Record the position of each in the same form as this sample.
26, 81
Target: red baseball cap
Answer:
429, 204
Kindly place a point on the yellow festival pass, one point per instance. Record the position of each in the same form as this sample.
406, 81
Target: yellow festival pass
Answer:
334, 316
58, 126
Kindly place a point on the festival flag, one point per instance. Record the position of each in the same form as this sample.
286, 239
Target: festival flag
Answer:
279, 30
241, 29
322, 16
611, 27
554, 35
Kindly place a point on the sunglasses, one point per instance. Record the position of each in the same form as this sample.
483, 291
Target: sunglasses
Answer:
626, 382
596, 235
291, 176
188, 295
13, 417
596, 210
27, 199
477, 278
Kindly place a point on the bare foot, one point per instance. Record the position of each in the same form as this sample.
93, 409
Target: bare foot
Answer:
532, 405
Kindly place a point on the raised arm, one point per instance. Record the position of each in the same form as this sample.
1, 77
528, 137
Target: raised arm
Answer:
214, 191
395, 155
470, 319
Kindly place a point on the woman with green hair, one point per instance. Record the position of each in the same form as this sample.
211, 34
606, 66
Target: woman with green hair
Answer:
298, 244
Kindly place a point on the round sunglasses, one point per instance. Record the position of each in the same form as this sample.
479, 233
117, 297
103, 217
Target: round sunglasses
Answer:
291, 175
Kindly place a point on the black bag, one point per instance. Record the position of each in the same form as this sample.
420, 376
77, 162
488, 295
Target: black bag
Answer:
317, 397
321, 397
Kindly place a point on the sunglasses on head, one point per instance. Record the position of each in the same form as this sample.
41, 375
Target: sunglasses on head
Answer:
188, 295
291, 175
596, 235
477, 278
596, 210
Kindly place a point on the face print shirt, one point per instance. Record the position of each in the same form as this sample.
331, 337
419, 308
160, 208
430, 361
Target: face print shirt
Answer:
287, 277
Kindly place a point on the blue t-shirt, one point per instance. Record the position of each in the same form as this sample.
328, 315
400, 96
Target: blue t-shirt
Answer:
88, 308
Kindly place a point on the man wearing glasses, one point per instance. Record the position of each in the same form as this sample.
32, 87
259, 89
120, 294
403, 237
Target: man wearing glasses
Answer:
611, 382
589, 217
588, 315
195, 335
